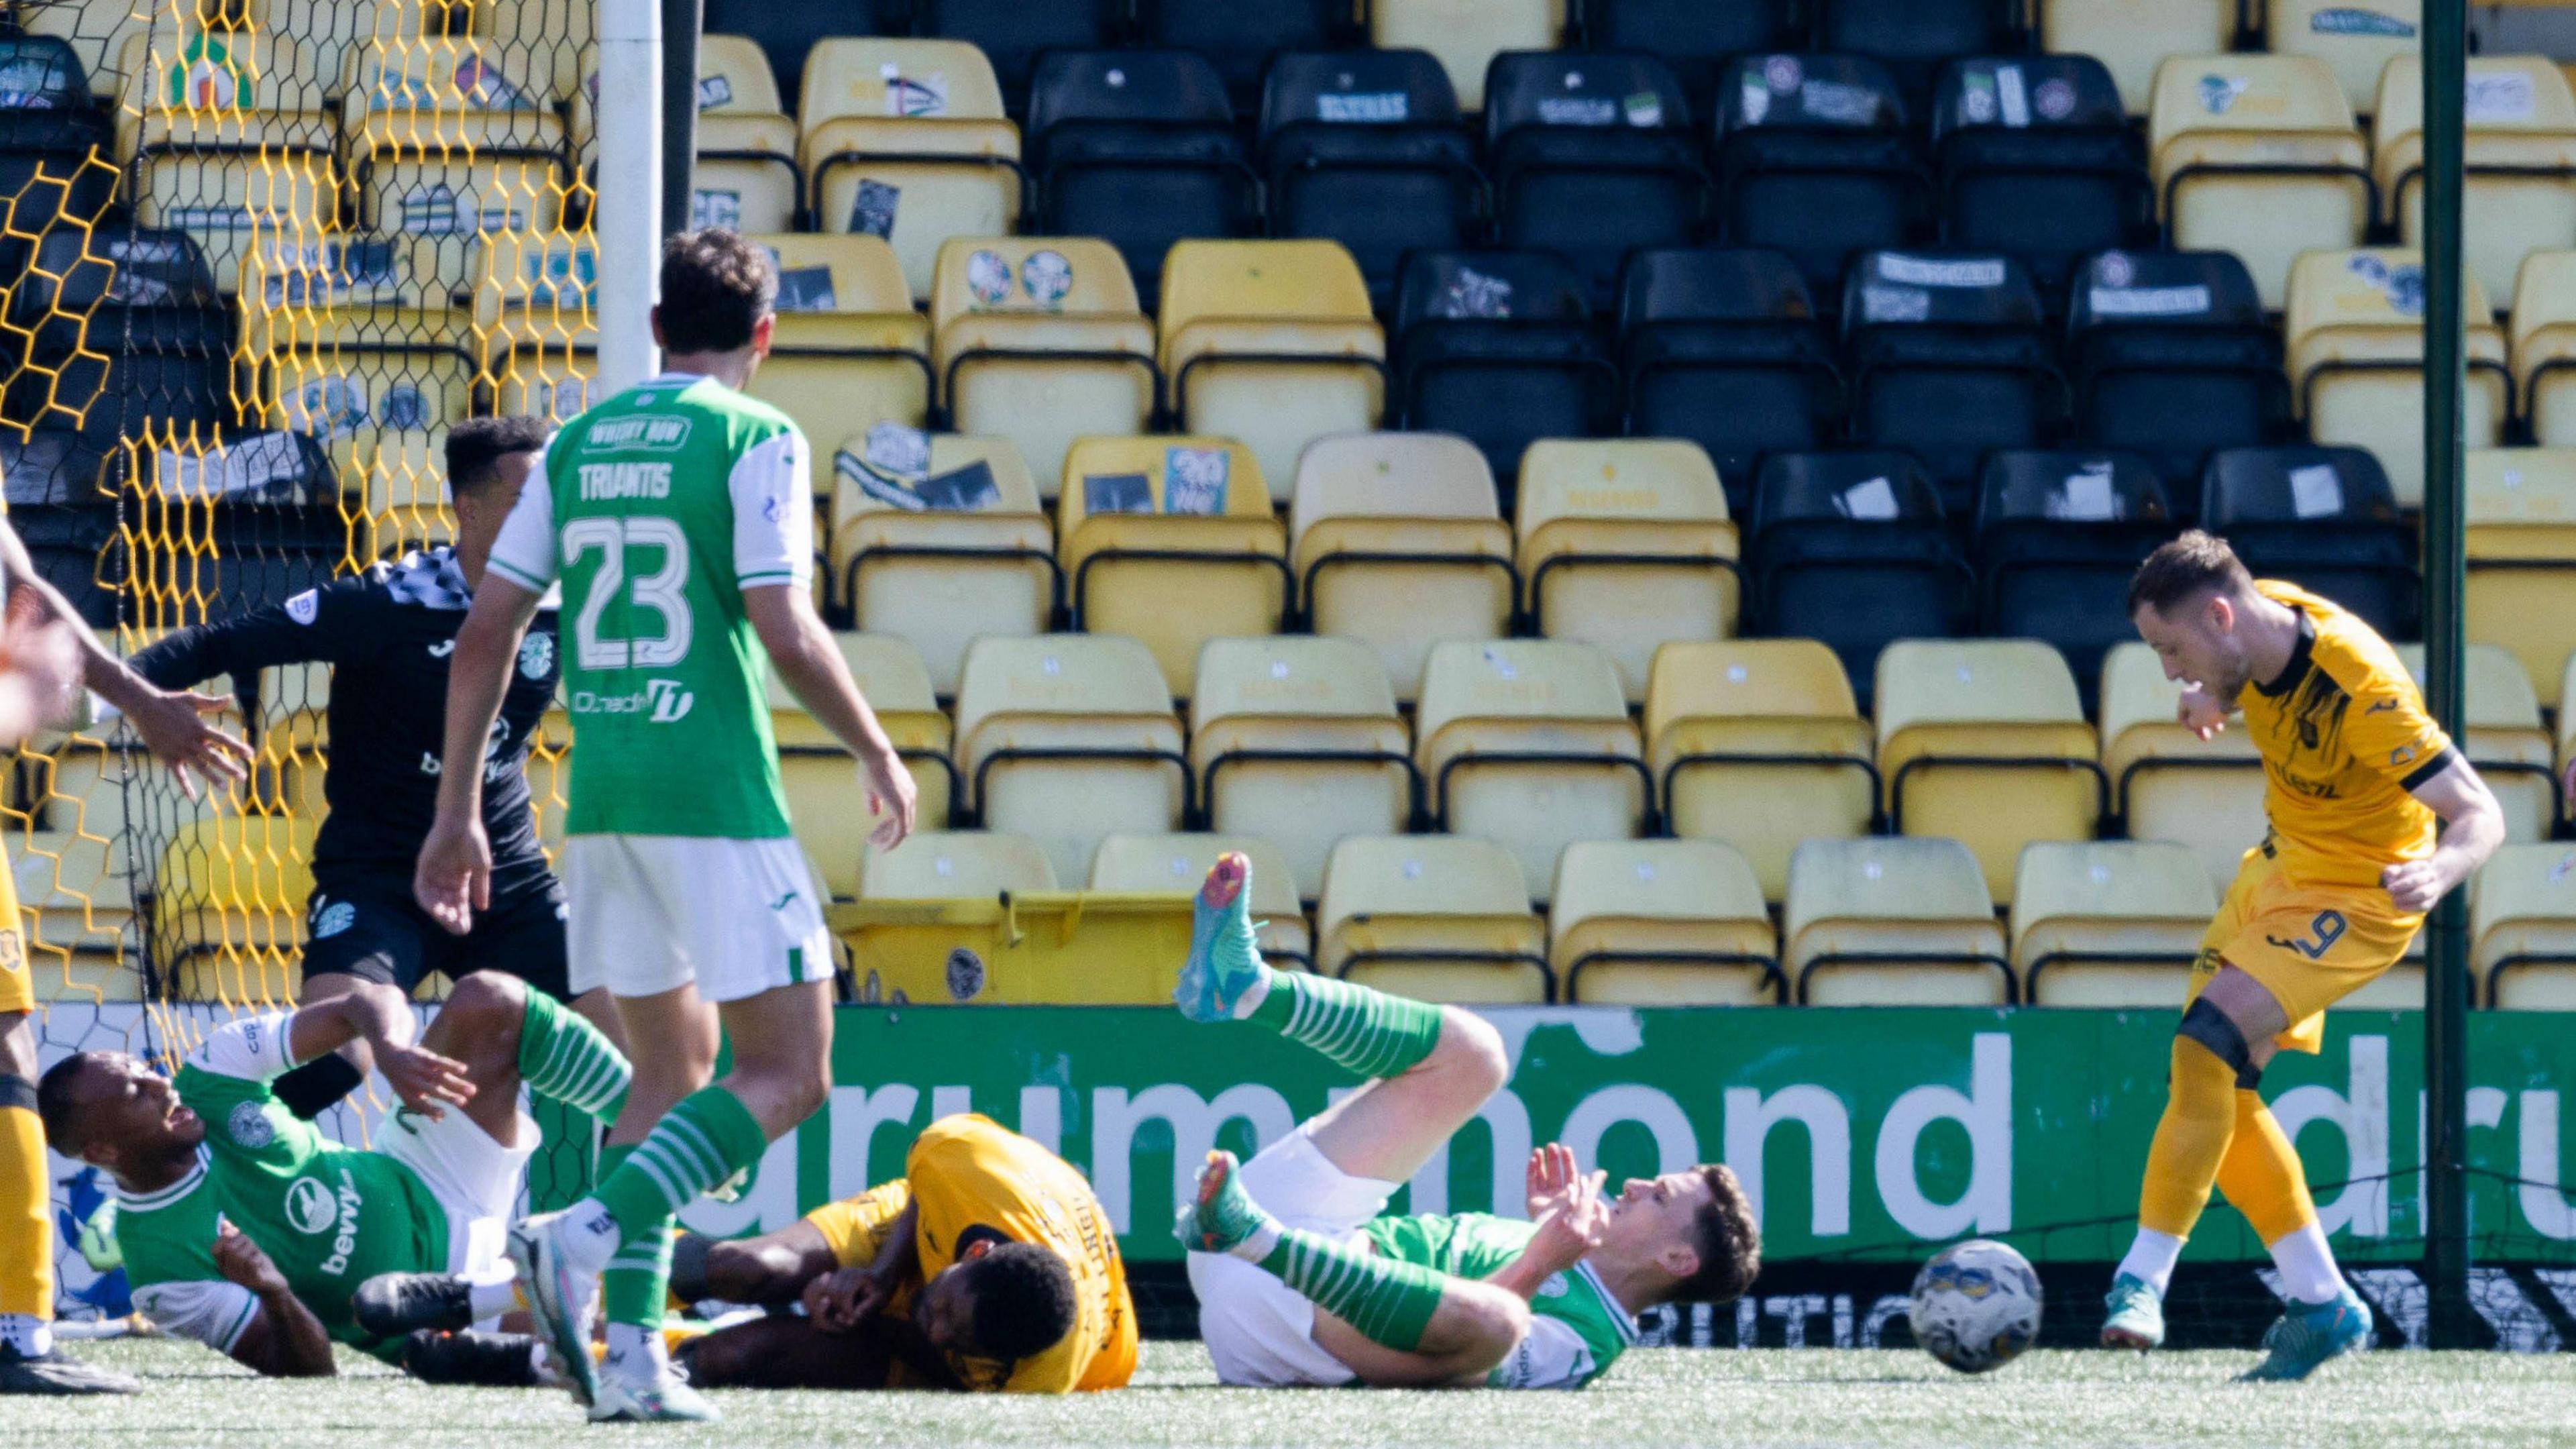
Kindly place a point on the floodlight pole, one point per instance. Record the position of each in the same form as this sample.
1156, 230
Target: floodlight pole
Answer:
681, 21
2447, 986
627, 216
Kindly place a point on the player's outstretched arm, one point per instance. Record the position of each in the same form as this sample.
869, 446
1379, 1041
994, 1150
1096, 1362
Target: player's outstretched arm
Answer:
379, 1016
453, 879
2472, 828
282, 1339
40, 672
805, 657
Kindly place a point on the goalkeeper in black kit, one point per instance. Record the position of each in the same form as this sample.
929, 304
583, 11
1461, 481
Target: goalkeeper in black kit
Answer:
387, 633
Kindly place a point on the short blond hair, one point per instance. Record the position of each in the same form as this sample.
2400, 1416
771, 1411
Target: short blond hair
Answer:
2185, 568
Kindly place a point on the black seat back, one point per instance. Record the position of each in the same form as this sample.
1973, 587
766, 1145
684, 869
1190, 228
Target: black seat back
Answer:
2170, 356
1593, 156
1241, 39
1694, 37
2036, 159
1948, 357
1722, 346
2058, 535
1365, 148
127, 332
1015, 34
2323, 518
1498, 346
1814, 159
1913, 37
1851, 549
1137, 147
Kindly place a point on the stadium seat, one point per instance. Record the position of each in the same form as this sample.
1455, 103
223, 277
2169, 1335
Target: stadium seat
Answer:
2114, 924
2522, 558
1853, 549
2322, 518
746, 176
2133, 36
1068, 738
2258, 155
439, 140
1755, 743
2504, 737
827, 798
225, 135
1694, 37
1144, 523
1527, 742
2036, 160
2168, 784
76, 907
1814, 159
1721, 346
905, 140
1965, 723
2356, 338
228, 908
1398, 544
1626, 545
944, 866
1137, 147
1948, 359
1592, 157
1913, 40
542, 42
1661, 923
2544, 345
535, 308
1271, 342
2520, 159
1444, 918
2522, 928
125, 339
1365, 148
2058, 535
2360, 40
1878, 922
1136, 863
1017, 36
374, 383
940, 538
1299, 736
57, 157
1465, 34
98, 32
787, 34
1243, 40
2171, 357
1040, 340
847, 351
1499, 347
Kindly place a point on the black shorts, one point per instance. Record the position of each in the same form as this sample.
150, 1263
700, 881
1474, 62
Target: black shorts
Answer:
365, 923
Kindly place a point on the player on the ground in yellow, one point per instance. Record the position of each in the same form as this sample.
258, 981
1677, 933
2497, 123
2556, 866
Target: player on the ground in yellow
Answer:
2373, 816
988, 1266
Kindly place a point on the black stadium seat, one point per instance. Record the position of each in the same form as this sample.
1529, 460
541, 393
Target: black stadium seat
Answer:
125, 334
1499, 347
1592, 157
2170, 357
57, 159
2324, 519
786, 33
1947, 356
2036, 160
1365, 148
1241, 39
1138, 147
2058, 535
1814, 159
1694, 37
1852, 549
1913, 37
1722, 346
1015, 34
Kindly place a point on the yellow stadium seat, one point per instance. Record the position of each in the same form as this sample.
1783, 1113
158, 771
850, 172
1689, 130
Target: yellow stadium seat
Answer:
99, 31
1041, 340
226, 136
2567, 730
1892, 922
746, 177
848, 351
2522, 928
397, 479
2168, 784
2522, 558
1298, 737
1130, 864
2131, 36
295, 705
1439, 917
940, 538
1398, 543
827, 801
2361, 39
1757, 743
77, 907
2356, 355
2506, 739
1068, 738
541, 41
1625, 545
2521, 127
1271, 342
905, 139
440, 139
2544, 345
1662, 923
228, 907
1963, 724
2116, 923
535, 307
1466, 34
2258, 155
1146, 522
367, 384
1527, 742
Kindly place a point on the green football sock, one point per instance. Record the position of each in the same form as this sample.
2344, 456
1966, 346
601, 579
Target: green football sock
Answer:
1367, 1031
1389, 1302
696, 1146
637, 1279
565, 1057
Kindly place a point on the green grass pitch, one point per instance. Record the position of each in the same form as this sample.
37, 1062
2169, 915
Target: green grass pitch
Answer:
1655, 1396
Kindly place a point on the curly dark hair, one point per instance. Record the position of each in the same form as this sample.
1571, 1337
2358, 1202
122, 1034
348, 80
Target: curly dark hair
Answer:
1023, 1300
715, 288
1729, 1246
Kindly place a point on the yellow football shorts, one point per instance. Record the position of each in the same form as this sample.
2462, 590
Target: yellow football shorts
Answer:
17, 985
2309, 946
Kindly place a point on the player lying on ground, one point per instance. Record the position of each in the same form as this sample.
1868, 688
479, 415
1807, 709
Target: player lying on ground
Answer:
388, 634
317, 1218
1299, 1280
2374, 816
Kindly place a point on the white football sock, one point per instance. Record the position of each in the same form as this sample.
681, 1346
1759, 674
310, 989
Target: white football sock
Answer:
491, 1293
25, 1332
635, 1353
1252, 996
2151, 1259
2308, 1271
589, 1235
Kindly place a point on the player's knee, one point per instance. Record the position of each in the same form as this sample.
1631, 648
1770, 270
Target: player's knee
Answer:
489, 1007
2206, 1028
1473, 1048
1490, 1322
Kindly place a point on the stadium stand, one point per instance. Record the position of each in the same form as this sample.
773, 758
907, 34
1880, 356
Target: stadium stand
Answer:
2258, 155
1017, 36
2520, 160
2166, 783
1041, 340
1722, 346
1366, 149
940, 538
1271, 342
1143, 522
1301, 734
2058, 535
2113, 923
905, 140
1067, 738
1879, 922
1964, 723
228, 899
2356, 340
2521, 557
1441, 917
1661, 923
1179, 863
1913, 39
1948, 357
2360, 41
2035, 159
1244, 41
2322, 518
227, 136
1499, 347
1465, 35
1854, 549
2169, 356
2505, 737
1694, 38
125, 338
2522, 928
746, 175
833, 819
1592, 156
847, 344
2132, 39
1137, 147
2544, 345
1814, 158
1626, 546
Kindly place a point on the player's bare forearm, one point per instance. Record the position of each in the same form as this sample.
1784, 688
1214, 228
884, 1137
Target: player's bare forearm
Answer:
901, 1251
478, 675
284, 1340
2472, 828
367, 1011
801, 650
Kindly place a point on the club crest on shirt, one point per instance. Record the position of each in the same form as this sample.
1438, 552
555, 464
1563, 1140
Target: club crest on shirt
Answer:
250, 1126
537, 656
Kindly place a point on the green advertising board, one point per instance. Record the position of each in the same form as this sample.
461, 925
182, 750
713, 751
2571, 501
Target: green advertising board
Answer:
1865, 1133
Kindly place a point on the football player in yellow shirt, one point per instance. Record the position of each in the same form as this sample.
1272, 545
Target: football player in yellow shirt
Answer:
2373, 816
989, 1266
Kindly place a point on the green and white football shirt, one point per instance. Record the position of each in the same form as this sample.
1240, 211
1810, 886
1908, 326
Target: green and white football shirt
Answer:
1577, 1330
659, 507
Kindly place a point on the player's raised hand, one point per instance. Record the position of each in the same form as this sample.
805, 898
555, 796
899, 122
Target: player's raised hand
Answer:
174, 728
453, 878
1575, 1228
426, 1082
839, 1302
1553, 1178
892, 799
2201, 713
241, 1262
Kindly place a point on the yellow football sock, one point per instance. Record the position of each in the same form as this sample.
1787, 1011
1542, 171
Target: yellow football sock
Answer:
26, 1235
2261, 1173
2191, 1140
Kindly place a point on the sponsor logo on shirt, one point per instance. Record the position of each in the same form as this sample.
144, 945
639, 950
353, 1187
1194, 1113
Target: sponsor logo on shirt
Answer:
442, 648
662, 701
645, 434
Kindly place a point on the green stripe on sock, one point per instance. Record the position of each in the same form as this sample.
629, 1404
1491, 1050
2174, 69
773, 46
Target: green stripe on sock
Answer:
698, 1144
1364, 1030
566, 1058
1388, 1302
637, 1280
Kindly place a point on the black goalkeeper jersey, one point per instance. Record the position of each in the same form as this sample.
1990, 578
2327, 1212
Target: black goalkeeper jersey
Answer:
387, 633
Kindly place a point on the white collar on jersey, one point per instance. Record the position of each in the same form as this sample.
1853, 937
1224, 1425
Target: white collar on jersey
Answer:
1620, 1317
147, 1201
